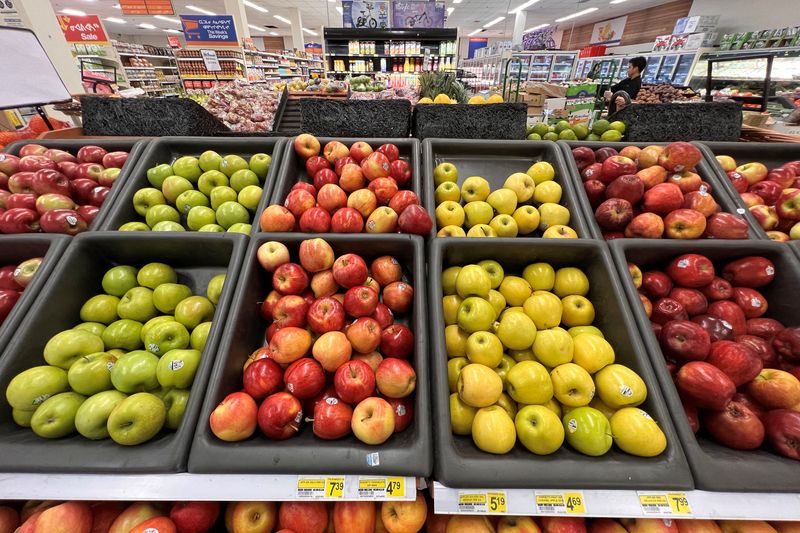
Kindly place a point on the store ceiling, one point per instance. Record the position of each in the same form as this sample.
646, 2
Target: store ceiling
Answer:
469, 15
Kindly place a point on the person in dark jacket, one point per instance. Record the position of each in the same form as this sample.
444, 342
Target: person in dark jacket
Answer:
632, 83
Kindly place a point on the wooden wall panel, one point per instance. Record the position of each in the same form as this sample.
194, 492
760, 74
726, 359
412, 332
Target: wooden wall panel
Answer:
273, 43
642, 26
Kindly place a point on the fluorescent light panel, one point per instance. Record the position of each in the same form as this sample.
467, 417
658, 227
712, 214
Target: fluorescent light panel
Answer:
200, 10
310, 32
578, 14
476, 32
255, 6
340, 10
116, 20
171, 30
527, 4
537, 27
492, 23
74, 12
273, 33
283, 19
256, 28
457, 1
617, 1
168, 19
147, 26
450, 10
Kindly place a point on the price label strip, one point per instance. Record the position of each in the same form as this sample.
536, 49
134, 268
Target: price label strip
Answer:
560, 503
381, 488
320, 488
671, 504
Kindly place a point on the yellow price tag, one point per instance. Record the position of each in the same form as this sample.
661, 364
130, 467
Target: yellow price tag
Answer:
678, 503
496, 502
574, 503
334, 487
310, 484
396, 487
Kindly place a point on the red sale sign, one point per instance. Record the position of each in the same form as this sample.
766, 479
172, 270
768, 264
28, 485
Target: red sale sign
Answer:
86, 29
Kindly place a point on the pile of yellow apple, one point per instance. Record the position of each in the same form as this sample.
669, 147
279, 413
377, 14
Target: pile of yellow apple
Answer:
527, 202
524, 361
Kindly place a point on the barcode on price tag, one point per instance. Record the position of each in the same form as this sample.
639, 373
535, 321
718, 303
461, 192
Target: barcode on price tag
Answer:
380, 488
560, 503
673, 503
320, 488
471, 502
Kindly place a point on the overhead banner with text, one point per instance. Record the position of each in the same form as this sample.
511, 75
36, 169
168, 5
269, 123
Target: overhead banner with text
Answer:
85, 29
209, 30
609, 31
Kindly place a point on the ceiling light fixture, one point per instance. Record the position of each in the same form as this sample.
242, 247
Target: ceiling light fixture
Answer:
73, 12
450, 10
310, 32
256, 28
578, 14
168, 19
492, 23
617, 1
255, 6
116, 20
457, 1
340, 10
476, 32
540, 26
200, 10
273, 33
147, 26
117, 6
283, 19
171, 30
527, 4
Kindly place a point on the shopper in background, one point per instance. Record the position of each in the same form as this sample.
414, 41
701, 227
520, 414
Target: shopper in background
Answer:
632, 83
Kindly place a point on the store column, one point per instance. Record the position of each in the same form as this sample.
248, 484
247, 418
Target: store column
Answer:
520, 19
235, 8
297, 29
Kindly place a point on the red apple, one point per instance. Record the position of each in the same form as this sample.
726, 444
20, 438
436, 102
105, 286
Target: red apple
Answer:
717, 328
360, 150
395, 378
666, 310
594, 172
684, 341
360, 301
686, 181
645, 226
595, 191
91, 154
787, 205
32, 163
628, 187
398, 296
112, 159
315, 255
364, 201
331, 197
50, 181
304, 378
91, 171
298, 201
702, 202
402, 200
751, 301
691, 270
325, 176
23, 200
290, 278
262, 377
340, 163
662, 199
616, 166
234, 419
331, 418
335, 150
64, 221
376, 166
352, 178
787, 344
415, 220
685, 224
765, 215
350, 270
326, 314
7, 280
751, 199
400, 171
383, 315
315, 220
691, 415
384, 189
750, 271
647, 304
656, 284
306, 145
323, 284
8, 298
364, 334
403, 413
692, 300
726, 226
354, 381
194, 517
738, 180
276, 218
9, 164
98, 195
81, 188
775, 389
290, 311
652, 176
19, 220
397, 340
737, 427
391, 151
731, 313
311, 517
584, 156
280, 415
760, 348
21, 182
783, 432
769, 191
718, 289
68, 168
88, 213
705, 385
386, 269
679, 156
306, 187
614, 214
347, 220
316, 163
736, 360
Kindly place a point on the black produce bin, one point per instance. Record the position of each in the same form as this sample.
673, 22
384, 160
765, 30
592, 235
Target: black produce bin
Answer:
133, 145
333, 117
468, 121
15, 249
497, 160
704, 170
406, 453
197, 258
682, 121
293, 169
716, 467
168, 149
459, 463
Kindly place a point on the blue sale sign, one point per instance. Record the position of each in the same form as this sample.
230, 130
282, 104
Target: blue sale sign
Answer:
209, 30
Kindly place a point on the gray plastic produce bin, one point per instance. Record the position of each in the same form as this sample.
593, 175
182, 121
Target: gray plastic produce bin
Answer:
134, 146
495, 161
716, 467
718, 191
459, 463
406, 453
168, 149
197, 258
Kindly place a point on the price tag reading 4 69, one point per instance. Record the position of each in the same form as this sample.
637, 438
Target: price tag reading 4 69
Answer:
560, 503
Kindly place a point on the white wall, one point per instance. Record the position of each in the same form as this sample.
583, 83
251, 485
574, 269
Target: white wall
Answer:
741, 15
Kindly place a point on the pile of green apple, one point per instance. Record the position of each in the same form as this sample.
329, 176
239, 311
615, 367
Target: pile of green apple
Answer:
211, 193
525, 362
527, 202
126, 370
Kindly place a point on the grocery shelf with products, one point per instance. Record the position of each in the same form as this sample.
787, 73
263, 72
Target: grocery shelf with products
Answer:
674, 67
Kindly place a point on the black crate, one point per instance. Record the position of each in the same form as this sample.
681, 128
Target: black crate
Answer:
468, 121
336, 117
704, 170
407, 453
716, 467
293, 168
133, 145
18, 248
197, 258
495, 161
459, 463
168, 149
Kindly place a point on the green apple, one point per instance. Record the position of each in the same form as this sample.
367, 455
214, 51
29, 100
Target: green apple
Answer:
484, 348
167, 296
454, 368
232, 163
461, 415
200, 336
63, 349
134, 226
242, 178
152, 322
91, 373
516, 331
91, 419
174, 186
504, 226
137, 304
503, 201
495, 271
175, 401
144, 199
119, 279
187, 167
166, 336
92, 327
55, 418
209, 160
22, 418
212, 228
447, 191
160, 213
592, 352
193, 310
449, 277
214, 288
123, 334
540, 276
200, 216
220, 195
137, 419
189, 199
241, 227
154, 274
473, 280
475, 314
135, 372
544, 308
572, 385
177, 368
588, 431
100, 308
168, 225
230, 213
249, 196
539, 429
445, 172
210, 179
476, 213
515, 290
157, 174
28, 389
475, 189
592, 330
260, 163
528, 382
553, 347
618, 386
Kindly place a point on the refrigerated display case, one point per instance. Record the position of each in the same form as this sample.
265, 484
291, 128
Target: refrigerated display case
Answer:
562, 66
650, 74
662, 67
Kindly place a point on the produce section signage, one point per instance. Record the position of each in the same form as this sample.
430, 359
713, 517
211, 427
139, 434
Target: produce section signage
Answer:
146, 7
208, 30
609, 31
363, 14
417, 14
85, 29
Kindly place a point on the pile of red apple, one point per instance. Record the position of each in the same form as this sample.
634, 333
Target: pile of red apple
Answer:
735, 369
51, 190
653, 192
13, 280
334, 353
772, 196
350, 190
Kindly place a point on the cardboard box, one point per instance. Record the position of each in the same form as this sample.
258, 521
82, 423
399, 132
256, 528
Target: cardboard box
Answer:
553, 104
534, 99
546, 89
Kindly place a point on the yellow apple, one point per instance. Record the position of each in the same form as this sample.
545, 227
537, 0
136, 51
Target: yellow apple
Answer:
506, 364
497, 301
476, 213
794, 232
592, 352
570, 280
455, 341
577, 330
449, 213
539, 429
522, 185
619, 386
504, 226
485, 348
541, 172
493, 430
635, 432
451, 231
544, 308
503, 201
726, 162
454, 367
529, 383
447, 191
551, 214
553, 347
449, 279
515, 290
522, 355
559, 232
540, 276
598, 404
445, 172
475, 189
467, 524
516, 331
481, 230
495, 271
578, 311
572, 385
472, 280
461, 416
527, 218
475, 314
554, 406
478, 385
549, 191
450, 305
